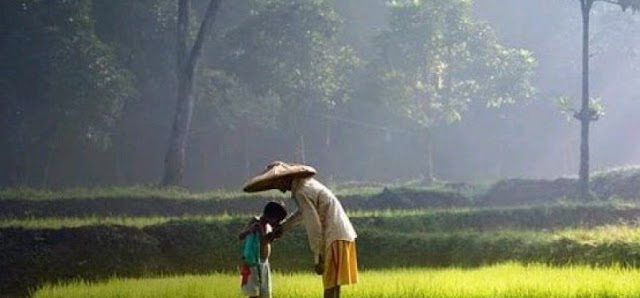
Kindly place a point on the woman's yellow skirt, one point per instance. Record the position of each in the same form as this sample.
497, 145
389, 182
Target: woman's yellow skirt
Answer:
340, 264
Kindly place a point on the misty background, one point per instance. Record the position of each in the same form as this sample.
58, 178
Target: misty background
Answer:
88, 93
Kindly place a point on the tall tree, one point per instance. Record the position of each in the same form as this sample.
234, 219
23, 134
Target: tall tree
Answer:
587, 113
186, 65
435, 60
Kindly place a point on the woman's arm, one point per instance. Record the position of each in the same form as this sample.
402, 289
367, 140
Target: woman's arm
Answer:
294, 219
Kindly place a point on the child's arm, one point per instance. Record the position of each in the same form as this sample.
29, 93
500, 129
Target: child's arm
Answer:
251, 226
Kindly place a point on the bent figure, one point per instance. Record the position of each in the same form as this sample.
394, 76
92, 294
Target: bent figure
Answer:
330, 232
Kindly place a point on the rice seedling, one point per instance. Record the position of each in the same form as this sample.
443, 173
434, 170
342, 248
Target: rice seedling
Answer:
504, 280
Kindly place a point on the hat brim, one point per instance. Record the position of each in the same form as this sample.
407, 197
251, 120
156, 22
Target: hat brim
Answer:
267, 180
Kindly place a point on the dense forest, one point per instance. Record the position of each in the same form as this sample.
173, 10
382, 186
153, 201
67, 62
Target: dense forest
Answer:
364, 90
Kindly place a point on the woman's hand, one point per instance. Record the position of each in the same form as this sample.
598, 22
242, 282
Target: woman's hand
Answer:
319, 268
277, 232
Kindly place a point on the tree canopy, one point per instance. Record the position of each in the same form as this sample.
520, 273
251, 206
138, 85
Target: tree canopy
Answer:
434, 60
88, 88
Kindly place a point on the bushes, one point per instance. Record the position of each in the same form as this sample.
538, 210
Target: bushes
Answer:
528, 191
384, 250
29, 257
511, 192
396, 199
623, 183
540, 217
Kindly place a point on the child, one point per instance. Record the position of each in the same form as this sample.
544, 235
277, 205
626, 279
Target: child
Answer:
257, 236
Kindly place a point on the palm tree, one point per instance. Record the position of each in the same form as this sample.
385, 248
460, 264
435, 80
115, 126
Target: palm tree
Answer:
587, 114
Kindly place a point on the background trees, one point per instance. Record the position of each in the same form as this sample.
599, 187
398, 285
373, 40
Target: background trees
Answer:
435, 61
88, 91
290, 50
62, 91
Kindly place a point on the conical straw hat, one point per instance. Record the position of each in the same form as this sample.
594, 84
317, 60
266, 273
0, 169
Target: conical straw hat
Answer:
277, 170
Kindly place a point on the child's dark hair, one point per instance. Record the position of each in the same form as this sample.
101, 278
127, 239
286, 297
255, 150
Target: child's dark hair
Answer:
275, 210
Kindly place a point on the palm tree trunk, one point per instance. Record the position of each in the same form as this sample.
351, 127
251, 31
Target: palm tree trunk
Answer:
585, 115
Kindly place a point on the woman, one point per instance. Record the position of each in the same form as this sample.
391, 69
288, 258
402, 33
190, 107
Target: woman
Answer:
329, 230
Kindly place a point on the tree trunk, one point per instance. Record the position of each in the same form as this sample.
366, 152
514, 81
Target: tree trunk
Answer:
175, 158
186, 65
585, 112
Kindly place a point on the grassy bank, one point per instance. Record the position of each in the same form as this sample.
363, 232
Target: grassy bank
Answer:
404, 220
505, 280
32, 256
146, 203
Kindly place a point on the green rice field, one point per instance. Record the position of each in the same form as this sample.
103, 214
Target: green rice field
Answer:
504, 280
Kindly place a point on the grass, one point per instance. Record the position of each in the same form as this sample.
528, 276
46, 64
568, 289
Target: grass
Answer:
121, 192
505, 280
606, 233
74, 222
143, 221
155, 192
403, 217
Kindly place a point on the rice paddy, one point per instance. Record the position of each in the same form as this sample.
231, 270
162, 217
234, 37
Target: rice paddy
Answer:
504, 280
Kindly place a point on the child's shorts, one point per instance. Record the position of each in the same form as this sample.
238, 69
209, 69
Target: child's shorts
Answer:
256, 280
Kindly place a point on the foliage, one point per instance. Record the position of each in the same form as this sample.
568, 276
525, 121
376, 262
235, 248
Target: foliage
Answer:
566, 108
145, 52
623, 182
633, 5
233, 103
289, 49
63, 87
435, 60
